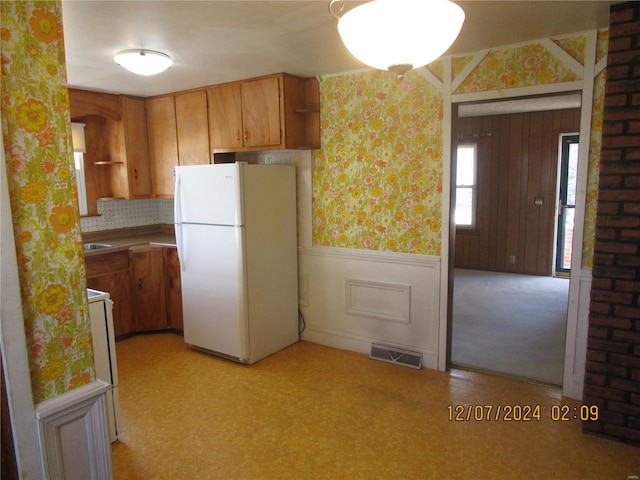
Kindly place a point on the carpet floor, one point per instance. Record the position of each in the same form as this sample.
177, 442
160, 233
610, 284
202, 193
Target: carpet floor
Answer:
312, 412
510, 324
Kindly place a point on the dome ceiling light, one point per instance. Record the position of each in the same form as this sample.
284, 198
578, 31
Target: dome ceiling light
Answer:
398, 35
143, 62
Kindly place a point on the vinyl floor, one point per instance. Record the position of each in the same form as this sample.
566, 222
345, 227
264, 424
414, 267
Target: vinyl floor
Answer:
312, 412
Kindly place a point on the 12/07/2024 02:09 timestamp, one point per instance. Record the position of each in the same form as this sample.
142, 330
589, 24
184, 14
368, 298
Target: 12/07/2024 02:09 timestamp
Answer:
521, 413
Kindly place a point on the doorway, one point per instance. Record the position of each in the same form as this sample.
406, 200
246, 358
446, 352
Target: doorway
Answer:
504, 268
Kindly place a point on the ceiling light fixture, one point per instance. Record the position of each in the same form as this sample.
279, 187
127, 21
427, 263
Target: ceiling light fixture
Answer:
399, 35
143, 62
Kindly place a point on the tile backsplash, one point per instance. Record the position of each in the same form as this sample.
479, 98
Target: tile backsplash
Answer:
129, 213
116, 214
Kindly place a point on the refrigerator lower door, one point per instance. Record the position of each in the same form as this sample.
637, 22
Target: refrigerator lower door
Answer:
213, 289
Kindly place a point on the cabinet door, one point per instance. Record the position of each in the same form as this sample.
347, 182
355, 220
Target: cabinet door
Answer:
117, 285
225, 116
261, 112
147, 285
192, 127
109, 272
174, 289
163, 144
134, 117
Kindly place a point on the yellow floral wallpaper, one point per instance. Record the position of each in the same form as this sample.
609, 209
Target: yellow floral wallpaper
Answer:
515, 67
39, 161
377, 182
574, 46
595, 144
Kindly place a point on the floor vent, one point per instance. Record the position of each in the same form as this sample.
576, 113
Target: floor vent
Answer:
396, 355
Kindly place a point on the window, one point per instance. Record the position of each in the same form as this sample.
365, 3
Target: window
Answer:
78, 158
566, 200
465, 210
79, 147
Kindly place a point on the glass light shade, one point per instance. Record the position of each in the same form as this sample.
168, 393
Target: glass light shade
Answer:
143, 62
400, 35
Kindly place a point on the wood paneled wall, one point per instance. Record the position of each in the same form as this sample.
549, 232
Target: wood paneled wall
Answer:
517, 161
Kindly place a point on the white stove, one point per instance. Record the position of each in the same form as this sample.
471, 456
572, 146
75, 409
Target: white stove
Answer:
104, 353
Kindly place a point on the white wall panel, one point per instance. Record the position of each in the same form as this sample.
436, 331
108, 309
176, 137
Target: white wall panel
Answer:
576, 340
74, 434
353, 298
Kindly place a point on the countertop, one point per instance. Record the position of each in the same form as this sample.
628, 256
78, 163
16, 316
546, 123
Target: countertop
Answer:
123, 239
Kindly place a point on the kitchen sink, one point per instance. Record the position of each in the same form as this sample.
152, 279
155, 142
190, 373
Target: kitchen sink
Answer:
88, 247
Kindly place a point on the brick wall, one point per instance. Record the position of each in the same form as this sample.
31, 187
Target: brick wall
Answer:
612, 378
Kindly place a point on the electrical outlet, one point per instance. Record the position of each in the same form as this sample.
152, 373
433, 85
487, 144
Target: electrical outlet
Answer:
512, 259
107, 216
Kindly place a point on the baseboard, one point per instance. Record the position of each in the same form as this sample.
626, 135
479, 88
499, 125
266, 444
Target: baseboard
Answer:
358, 344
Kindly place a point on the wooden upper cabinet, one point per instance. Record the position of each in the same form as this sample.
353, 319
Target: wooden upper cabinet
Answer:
225, 117
192, 128
87, 103
273, 112
261, 112
163, 144
116, 157
134, 119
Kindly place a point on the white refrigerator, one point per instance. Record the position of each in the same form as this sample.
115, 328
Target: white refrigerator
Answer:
236, 235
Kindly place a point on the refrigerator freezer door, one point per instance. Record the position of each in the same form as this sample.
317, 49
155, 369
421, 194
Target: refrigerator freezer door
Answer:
213, 289
208, 194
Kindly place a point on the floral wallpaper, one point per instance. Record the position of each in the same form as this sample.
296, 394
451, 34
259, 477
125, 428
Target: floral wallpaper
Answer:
39, 162
516, 67
574, 46
595, 144
377, 182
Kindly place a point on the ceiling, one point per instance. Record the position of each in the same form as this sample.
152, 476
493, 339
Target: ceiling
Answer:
221, 41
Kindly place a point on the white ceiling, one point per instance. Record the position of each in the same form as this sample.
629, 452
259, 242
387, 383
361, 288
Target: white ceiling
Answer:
221, 41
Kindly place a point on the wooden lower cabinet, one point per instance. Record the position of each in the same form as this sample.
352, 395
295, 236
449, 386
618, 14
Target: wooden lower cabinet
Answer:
144, 284
173, 288
148, 288
109, 272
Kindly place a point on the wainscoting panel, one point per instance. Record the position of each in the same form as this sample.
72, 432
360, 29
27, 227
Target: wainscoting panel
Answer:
576, 343
384, 301
74, 434
353, 298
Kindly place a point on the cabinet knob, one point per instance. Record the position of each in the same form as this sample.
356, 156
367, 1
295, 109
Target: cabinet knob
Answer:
238, 136
246, 135
139, 283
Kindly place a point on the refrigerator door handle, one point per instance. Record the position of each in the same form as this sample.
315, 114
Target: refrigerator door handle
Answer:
177, 214
180, 245
177, 204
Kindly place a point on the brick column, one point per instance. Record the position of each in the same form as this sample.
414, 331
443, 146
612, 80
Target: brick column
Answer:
612, 379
